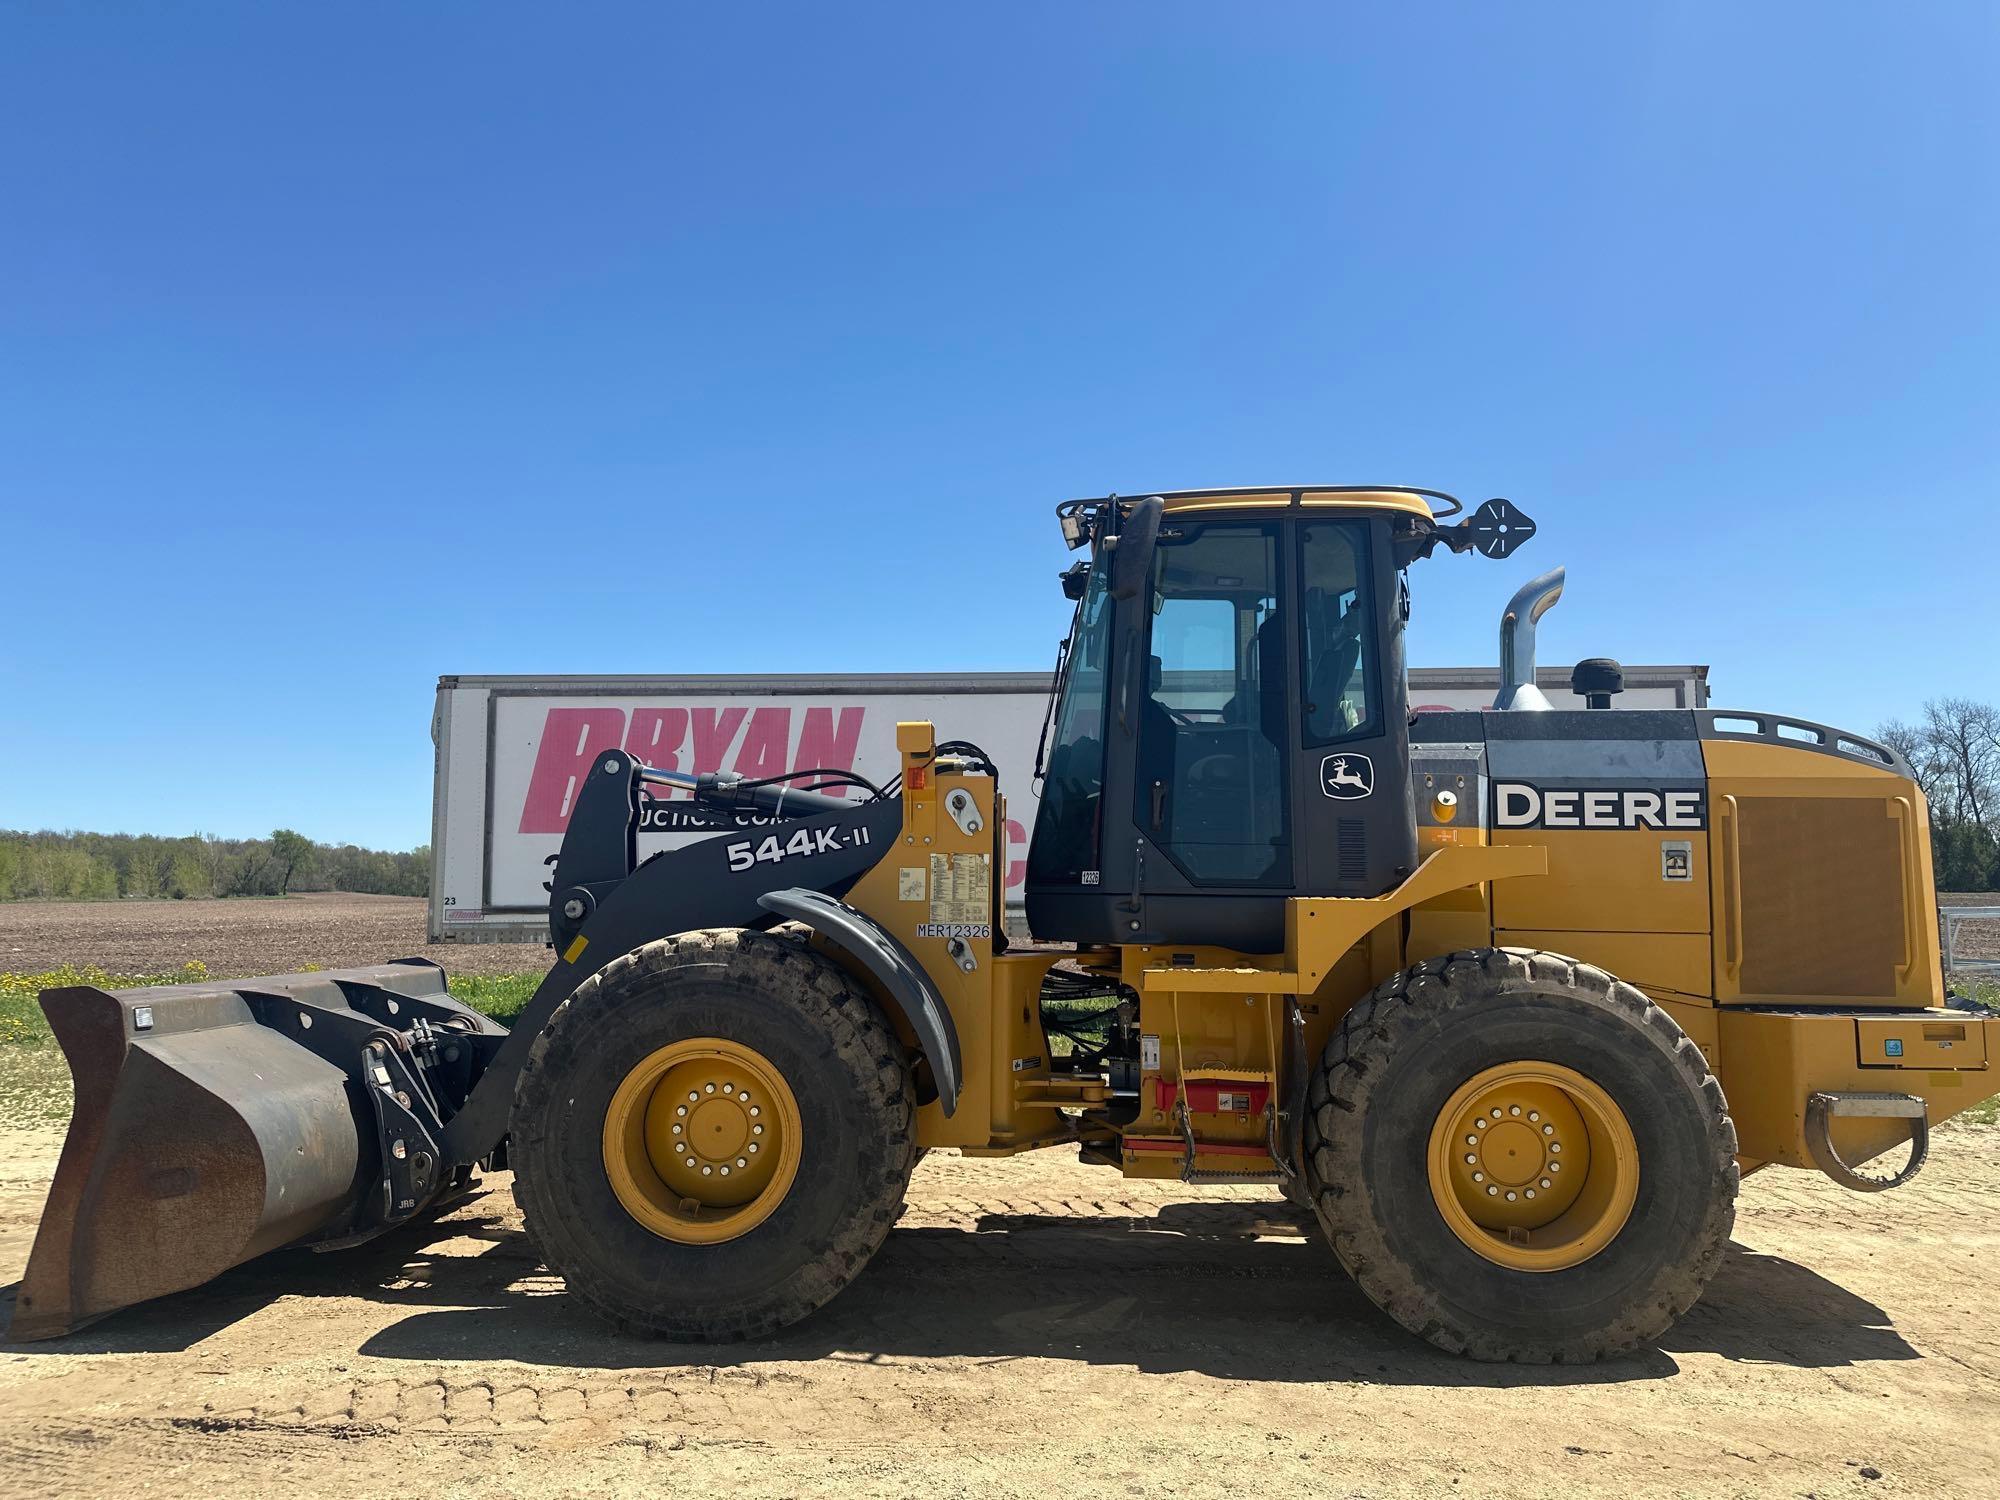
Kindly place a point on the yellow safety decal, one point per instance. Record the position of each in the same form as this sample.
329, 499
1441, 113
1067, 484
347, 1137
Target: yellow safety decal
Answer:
575, 950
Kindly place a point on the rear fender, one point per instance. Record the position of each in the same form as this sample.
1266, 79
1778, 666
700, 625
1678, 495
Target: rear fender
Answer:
903, 980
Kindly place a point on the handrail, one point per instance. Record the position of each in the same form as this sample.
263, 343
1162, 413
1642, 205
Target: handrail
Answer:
1730, 724
1732, 887
1906, 826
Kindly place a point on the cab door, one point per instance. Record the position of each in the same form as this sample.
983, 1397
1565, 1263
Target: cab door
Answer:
1212, 763
1357, 821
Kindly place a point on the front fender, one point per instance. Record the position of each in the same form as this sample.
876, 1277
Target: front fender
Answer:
874, 947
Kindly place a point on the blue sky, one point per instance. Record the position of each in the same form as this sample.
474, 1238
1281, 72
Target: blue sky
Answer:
345, 346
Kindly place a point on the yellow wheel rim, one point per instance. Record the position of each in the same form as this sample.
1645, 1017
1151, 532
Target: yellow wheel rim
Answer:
701, 1142
1533, 1166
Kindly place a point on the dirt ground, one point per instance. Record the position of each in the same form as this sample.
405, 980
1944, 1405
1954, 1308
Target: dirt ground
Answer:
1035, 1327
259, 936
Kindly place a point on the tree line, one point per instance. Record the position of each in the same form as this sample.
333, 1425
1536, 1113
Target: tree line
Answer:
1955, 752
86, 866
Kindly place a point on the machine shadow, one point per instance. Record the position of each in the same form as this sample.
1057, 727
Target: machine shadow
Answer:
1234, 1290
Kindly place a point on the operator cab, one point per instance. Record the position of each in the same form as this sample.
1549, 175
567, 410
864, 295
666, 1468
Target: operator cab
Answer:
1230, 725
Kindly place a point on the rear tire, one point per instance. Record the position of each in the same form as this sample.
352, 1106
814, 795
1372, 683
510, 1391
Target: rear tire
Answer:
799, 1023
1403, 1092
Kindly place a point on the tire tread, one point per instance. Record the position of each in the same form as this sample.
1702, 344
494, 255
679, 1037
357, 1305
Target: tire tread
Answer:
1394, 1015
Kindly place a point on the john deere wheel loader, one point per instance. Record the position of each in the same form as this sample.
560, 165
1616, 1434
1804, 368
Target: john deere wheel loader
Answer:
1508, 999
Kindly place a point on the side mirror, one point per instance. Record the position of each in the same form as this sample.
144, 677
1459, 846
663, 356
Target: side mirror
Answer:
1132, 548
1498, 527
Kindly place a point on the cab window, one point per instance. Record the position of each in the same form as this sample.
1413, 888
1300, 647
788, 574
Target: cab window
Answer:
1213, 727
1065, 844
1337, 630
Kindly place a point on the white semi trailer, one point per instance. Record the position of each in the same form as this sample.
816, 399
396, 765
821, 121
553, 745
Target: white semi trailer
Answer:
511, 752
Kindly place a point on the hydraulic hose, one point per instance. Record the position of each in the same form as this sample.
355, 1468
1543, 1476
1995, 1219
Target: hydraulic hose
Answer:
726, 792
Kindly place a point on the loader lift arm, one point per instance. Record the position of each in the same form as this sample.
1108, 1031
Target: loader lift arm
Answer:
215, 1122
605, 902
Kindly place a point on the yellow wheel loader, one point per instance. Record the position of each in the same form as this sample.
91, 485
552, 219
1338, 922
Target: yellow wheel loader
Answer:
1507, 1000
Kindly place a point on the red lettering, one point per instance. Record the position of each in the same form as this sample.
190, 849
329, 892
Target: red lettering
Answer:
571, 739
655, 737
765, 743
1017, 869
713, 731
830, 742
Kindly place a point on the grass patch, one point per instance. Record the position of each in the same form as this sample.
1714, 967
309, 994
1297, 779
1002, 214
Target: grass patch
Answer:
501, 996
1987, 1111
34, 1079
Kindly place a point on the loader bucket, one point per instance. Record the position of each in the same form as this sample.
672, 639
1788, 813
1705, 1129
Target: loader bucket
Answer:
201, 1135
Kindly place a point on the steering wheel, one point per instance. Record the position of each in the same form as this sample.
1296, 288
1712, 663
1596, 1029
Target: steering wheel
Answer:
1218, 772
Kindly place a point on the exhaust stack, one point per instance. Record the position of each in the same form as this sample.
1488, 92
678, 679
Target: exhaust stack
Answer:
1517, 642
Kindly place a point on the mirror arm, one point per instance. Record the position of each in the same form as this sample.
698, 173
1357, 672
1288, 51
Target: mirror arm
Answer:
1494, 530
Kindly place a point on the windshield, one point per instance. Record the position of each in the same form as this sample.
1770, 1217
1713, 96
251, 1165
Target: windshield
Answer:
1064, 848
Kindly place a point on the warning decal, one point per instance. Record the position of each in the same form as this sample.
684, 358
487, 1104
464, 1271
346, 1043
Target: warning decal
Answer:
961, 889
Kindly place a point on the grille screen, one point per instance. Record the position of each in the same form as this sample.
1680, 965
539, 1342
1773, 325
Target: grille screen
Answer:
1822, 896
1351, 844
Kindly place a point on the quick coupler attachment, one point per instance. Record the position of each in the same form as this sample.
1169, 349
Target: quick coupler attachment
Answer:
214, 1122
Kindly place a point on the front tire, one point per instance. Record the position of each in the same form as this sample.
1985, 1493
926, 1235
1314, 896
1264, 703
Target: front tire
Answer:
1443, 1117
713, 1135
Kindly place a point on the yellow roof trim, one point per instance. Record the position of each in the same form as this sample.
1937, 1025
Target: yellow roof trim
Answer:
1373, 500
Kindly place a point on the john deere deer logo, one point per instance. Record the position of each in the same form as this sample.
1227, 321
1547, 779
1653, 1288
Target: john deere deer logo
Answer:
1346, 776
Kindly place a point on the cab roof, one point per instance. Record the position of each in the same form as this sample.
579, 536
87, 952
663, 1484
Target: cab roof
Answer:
1405, 501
